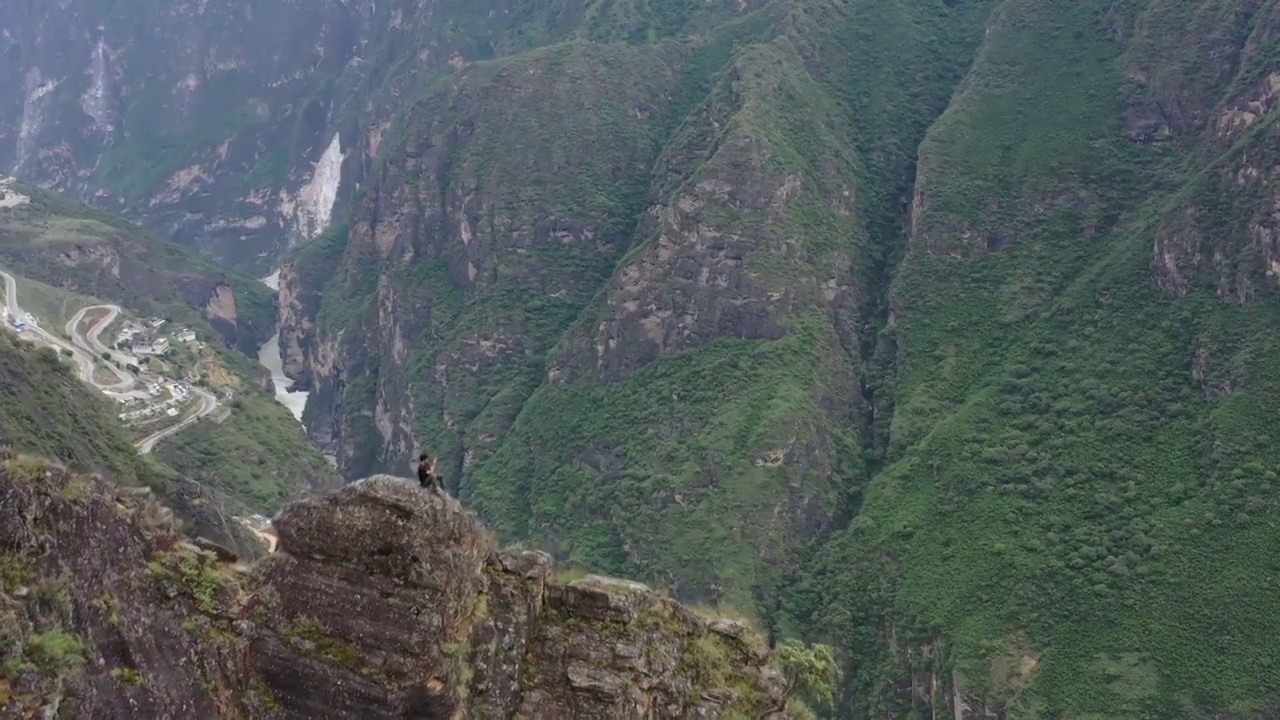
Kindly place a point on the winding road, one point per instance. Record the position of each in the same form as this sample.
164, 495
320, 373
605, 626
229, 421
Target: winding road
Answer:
94, 347
207, 404
83, 359
86, 348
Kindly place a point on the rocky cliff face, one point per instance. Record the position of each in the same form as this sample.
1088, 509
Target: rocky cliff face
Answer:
384, 601
209, 121
105, 611
381, 601
241, 127
439, 231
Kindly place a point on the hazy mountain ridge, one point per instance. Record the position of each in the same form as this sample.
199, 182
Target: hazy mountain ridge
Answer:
242, 128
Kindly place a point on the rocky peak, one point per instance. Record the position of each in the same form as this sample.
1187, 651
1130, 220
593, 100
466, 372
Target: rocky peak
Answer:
382, 601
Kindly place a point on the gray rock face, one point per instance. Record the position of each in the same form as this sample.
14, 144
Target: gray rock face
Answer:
241, 126
207, 120
105, 612
383, 601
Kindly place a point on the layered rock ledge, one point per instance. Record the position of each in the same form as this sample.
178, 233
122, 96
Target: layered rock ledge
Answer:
382, 601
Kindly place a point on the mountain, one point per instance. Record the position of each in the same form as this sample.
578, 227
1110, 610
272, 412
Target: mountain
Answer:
72, 246
48, 412
940, 330
100, 595
243, 127
251, 460
1078, 476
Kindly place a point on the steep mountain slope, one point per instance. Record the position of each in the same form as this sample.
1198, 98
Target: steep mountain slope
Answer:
45, 410
256, 457
684, 272
241, 127
1080, 479
962, 309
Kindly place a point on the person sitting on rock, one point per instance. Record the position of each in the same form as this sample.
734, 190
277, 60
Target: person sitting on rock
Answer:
427, 476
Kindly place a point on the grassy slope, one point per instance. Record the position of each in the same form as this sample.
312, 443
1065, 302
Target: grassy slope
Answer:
1060, 486
51, 306
258, 457
46, 411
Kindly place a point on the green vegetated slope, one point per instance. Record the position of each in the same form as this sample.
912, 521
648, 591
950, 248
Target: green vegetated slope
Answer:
527, 186
46, 411
1078, 508
74, 247
715, 449
257, 457
940, 331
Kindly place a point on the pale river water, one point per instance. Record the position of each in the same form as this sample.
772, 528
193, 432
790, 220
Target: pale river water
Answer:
269, 357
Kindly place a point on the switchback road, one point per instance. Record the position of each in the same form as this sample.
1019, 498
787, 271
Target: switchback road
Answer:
87, 348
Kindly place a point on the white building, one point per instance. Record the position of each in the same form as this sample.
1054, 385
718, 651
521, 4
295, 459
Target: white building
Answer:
157, 347
155, 322
186, 335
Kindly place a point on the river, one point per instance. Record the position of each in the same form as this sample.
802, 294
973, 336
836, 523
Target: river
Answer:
269, 357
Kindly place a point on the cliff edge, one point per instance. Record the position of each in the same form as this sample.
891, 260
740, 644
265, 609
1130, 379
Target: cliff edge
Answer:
382, 601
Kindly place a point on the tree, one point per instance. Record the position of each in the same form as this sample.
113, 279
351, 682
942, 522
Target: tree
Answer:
106, 355
810, 670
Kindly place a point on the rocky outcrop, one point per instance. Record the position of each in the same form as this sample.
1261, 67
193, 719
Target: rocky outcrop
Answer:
382, 601
385, 601
105, 611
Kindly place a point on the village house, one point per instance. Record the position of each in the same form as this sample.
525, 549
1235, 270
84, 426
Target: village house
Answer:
156, 347
128, 333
